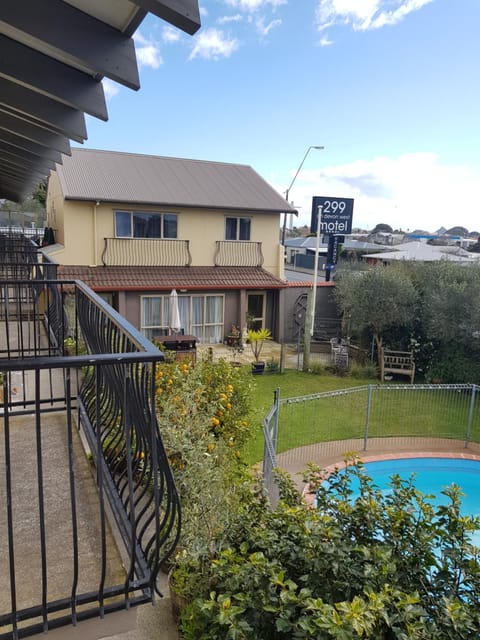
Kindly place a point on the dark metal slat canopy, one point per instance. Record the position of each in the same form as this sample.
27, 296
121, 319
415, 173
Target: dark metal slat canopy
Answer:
53, 57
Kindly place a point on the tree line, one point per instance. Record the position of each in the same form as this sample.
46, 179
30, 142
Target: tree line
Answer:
431, 309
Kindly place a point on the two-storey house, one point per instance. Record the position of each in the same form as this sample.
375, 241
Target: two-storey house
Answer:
134, 227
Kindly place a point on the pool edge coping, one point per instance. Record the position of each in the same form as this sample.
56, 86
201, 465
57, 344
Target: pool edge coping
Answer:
309, 496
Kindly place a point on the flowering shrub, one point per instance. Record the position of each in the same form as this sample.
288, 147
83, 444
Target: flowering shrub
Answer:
203, 417
217, 394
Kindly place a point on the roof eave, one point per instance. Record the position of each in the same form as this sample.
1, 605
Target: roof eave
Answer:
183, 205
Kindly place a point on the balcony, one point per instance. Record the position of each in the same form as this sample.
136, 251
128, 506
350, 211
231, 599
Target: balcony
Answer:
88, 506
146, 252
238, 254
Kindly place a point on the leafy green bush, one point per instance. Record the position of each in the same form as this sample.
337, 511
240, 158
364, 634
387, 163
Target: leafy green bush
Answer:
203, 412
317, 368
454, 363
381, 566
367, 370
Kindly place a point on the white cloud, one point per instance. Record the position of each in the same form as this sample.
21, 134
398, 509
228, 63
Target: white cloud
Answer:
254, 5
325, 42
235, 18
410, 192
148, 51
110, 88
170, 34
213, 44
364, 15
264, 29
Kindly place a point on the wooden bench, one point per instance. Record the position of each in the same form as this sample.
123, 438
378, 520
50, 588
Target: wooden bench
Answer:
398, 363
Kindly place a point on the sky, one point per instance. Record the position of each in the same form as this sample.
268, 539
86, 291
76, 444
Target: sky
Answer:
389, 88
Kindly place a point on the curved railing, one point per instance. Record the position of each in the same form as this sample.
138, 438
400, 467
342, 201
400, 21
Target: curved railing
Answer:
117, 407
103, 389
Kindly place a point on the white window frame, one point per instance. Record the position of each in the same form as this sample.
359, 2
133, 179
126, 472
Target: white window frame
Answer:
131, 213
237, 230
263, 295
149, 330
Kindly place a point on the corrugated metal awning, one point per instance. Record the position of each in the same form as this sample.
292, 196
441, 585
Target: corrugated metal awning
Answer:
53, 56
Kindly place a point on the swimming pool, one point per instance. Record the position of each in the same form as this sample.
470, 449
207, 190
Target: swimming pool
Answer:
432, 475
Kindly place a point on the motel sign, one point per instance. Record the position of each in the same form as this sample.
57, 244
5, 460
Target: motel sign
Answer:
335, 215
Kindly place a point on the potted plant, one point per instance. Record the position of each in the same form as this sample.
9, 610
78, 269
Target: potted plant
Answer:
256, 340
234, 338
70, 346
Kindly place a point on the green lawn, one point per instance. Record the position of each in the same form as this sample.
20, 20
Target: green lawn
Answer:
429, 413
292, 384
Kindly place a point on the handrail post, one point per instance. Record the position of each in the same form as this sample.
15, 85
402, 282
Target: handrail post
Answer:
367, 416
470, 416
276, 400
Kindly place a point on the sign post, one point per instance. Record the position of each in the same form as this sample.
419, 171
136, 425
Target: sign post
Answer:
315, 274
331, 217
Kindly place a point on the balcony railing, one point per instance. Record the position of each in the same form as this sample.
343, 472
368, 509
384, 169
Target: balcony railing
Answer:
238, 254
18, 254
88, 505
146, 252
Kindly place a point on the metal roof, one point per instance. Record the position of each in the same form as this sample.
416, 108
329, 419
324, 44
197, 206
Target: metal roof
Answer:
112, 176
310, 243
423, 252
53, 56
168, 278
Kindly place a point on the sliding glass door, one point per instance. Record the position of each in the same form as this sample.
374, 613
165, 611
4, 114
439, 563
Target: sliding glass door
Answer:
200, 315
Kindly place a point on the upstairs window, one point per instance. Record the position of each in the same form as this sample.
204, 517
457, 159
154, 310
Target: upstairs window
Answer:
143, 224
237, 228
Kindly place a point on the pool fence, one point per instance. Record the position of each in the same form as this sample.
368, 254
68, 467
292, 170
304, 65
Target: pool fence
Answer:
325, 427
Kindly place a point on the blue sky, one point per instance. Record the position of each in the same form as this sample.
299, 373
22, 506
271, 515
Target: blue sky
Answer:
390, 88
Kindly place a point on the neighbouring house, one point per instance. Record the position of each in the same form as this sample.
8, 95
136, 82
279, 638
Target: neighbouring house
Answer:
300, 252
422, 252
134, 227
386, 238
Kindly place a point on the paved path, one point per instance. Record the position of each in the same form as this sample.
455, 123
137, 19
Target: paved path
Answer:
154, 622
271, 351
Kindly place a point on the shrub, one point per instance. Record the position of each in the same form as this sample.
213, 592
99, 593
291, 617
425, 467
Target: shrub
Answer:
273, 366
365, 371
454, 364
215, 393
381, 566
317, 368
203, 417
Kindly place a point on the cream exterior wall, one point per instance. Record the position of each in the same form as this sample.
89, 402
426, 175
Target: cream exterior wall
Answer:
204, 228
82, 226
54, 207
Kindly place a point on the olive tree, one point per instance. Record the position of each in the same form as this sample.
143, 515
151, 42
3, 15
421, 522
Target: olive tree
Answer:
377, 299
448, 327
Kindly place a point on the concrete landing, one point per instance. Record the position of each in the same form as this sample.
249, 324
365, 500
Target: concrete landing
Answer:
51, 468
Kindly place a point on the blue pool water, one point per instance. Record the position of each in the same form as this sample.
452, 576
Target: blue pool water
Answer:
432, 475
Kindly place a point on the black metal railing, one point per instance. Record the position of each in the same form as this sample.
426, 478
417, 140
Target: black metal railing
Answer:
18, 254
88, 505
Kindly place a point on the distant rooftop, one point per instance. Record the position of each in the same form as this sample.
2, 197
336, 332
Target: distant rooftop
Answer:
423, 252
310, 242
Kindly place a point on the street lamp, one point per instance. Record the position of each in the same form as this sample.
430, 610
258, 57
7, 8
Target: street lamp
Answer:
291, 185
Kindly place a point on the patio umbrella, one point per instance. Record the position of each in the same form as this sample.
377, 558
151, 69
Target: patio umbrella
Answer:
174, 313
